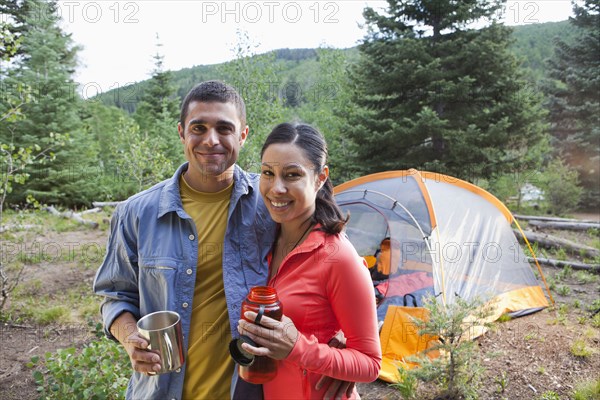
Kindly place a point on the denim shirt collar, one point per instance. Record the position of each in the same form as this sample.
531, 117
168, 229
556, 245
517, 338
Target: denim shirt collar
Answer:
170, 197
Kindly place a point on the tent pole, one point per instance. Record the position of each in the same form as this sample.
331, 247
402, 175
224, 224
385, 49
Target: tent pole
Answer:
534, 259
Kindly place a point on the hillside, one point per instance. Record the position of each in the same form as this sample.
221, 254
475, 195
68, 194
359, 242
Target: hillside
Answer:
533, 45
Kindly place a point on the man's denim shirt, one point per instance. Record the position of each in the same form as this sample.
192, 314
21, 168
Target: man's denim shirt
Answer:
151, 259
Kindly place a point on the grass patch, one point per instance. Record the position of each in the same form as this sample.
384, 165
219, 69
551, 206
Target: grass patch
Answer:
551, 283
407, 385
561, 254
563, 290
587, 390
28, 288
504, 318
502, 382
55, 314
549, 395
88, 307
596, 321
561, 315
74, 305
580, 349
496, 354
565, 273
584, 277
541, 370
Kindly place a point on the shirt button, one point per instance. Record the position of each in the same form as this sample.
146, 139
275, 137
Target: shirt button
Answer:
304, 372
191, 237
185, 305
188, 271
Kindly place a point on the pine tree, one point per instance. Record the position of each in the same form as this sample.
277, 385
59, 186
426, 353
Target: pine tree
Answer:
438, 95
10, 29
158, 94
575, 98
158, 112
46, 65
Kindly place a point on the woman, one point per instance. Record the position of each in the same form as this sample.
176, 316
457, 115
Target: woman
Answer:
322, 282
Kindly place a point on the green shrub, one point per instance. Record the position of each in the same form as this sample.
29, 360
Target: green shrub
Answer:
561, 187
457, 374
100, 370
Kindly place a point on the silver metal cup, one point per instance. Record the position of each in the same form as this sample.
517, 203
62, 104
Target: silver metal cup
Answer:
162, 329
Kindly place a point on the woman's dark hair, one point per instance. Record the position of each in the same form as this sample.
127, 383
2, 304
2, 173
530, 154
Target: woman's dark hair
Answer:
327, 212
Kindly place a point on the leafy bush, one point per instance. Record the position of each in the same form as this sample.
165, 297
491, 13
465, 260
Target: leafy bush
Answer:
561, 187
100, 370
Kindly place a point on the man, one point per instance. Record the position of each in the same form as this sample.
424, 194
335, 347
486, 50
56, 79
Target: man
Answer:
195, 244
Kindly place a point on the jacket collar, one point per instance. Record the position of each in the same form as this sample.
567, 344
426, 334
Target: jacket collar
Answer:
315, 239
170, 197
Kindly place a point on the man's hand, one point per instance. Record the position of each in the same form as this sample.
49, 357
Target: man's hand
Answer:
337, 389
124, 329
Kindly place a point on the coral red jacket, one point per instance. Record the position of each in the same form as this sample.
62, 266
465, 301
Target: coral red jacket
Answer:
324, 286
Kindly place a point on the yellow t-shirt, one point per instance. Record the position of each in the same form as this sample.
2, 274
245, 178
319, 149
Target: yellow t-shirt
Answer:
209, 365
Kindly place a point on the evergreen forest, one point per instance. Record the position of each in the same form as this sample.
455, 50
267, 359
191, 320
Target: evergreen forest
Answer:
498, 106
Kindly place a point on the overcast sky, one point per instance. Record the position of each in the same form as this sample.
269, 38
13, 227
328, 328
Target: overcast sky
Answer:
119, 37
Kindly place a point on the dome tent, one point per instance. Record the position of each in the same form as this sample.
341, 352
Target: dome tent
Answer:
447, 238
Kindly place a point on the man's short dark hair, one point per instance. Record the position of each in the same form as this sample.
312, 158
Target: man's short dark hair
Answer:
214, 91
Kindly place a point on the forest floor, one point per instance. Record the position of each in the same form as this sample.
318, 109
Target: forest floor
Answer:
545, 354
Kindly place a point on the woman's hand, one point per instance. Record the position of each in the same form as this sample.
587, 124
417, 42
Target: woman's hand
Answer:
276, 338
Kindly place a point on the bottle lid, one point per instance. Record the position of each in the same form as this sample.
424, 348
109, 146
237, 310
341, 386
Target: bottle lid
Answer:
240, 355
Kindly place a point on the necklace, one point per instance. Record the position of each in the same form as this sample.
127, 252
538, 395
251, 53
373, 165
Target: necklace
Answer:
298, 242
274, 265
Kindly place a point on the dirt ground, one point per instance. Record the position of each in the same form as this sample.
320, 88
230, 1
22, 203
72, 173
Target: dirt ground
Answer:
524, 357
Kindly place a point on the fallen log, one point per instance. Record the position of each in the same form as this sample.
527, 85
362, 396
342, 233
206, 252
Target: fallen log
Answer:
105, 203
555, 219
8, 227
548, 241
71, 215
573, 264
91, 210
573, 226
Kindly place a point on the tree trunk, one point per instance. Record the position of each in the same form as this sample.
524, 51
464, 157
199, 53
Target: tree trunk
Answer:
549, 241
572, 226
102, 204
553, 219
71, 215
573, 264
